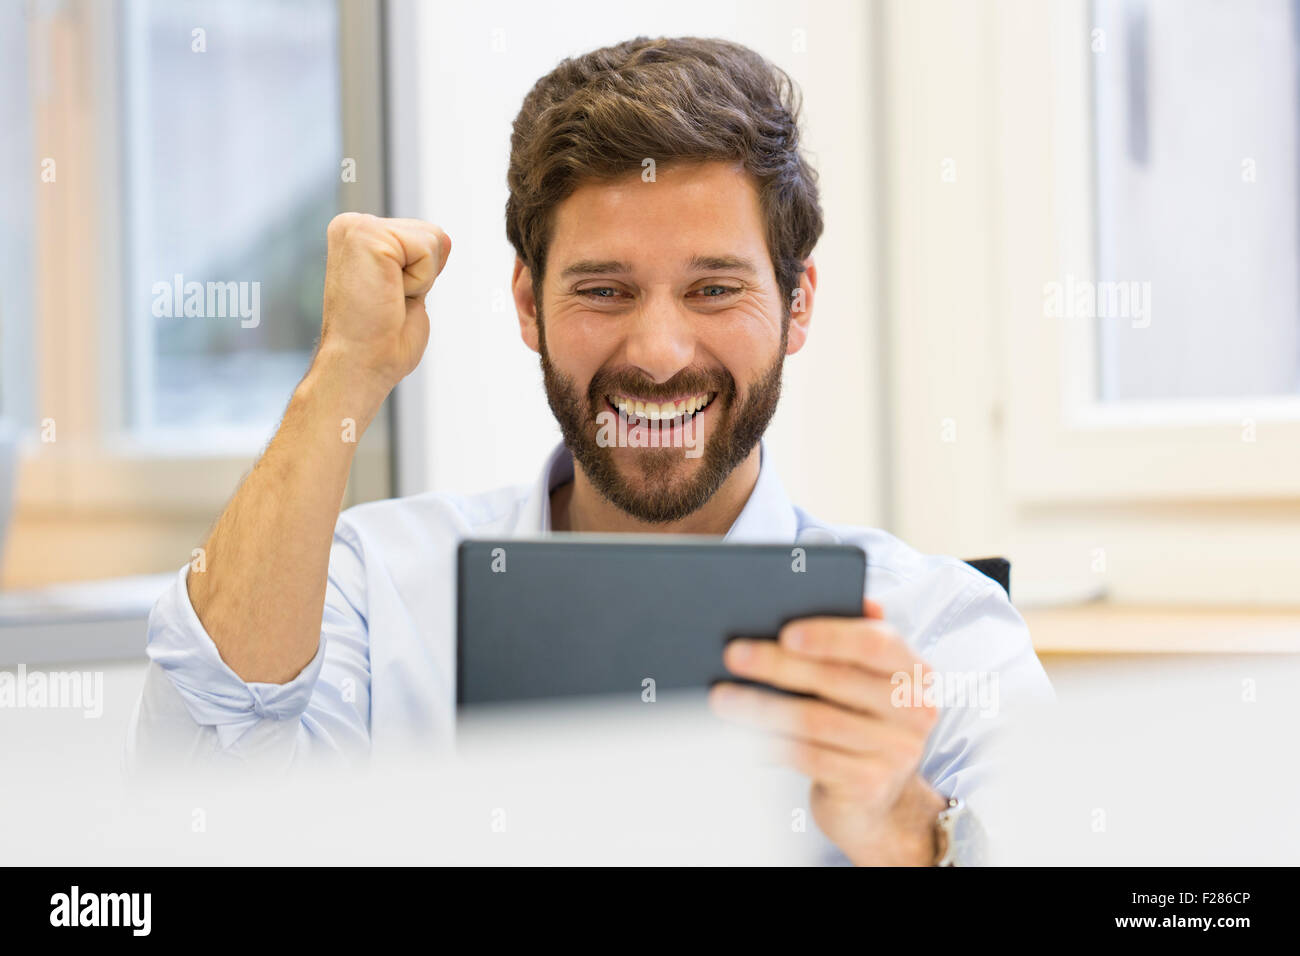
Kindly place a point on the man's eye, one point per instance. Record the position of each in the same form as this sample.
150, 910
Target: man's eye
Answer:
707, 292
720, 291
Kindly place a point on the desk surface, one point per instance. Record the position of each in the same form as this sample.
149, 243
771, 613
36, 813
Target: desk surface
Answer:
86, 620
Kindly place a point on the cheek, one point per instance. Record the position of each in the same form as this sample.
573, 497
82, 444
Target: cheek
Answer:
579, 344
757, 320
743, 340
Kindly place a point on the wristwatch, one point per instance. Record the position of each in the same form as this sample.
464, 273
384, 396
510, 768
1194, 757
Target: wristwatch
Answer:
959, 837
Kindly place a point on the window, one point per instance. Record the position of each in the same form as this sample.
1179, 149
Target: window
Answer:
232, 153
1196, 116
1094, 322
15, 216
165, 195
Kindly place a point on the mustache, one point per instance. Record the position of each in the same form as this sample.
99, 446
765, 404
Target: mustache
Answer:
687, 381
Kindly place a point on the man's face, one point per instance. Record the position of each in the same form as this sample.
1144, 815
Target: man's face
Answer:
662, 333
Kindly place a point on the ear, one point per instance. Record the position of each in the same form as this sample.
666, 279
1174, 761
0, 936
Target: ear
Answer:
525, 305
801, 307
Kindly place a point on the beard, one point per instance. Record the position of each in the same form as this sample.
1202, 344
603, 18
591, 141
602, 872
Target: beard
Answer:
654, 495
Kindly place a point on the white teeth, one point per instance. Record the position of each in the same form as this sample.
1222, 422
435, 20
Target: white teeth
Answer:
656, 411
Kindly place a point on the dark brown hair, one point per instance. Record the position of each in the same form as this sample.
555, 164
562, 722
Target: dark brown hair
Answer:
598, 116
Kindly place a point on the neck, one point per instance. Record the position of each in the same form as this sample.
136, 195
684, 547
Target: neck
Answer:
577, 506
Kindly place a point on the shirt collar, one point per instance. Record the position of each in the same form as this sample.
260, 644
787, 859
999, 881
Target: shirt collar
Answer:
768, 515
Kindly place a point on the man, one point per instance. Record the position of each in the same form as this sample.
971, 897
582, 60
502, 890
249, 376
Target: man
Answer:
664, 222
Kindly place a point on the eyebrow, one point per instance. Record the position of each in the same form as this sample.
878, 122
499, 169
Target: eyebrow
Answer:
589, 267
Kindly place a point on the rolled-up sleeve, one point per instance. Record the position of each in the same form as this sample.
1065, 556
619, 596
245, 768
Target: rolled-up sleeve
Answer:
194, 706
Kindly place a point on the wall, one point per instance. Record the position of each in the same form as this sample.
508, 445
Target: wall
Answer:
479, 388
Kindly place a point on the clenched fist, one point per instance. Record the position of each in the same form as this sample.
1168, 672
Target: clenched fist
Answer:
377, 273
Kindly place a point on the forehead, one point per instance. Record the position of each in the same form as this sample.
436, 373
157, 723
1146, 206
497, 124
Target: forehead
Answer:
702, 208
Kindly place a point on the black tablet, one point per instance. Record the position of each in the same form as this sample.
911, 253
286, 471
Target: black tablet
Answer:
571, 616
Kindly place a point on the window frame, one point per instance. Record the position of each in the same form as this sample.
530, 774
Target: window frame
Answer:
984, 199
1065, 444
83, 369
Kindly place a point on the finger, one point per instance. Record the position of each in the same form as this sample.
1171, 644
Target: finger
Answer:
415, 331
871, 644
873, 610
424, 251
844, 684
809, 719
833, 768
421, 225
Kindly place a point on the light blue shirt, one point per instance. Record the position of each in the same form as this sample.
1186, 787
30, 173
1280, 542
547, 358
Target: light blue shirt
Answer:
382, 680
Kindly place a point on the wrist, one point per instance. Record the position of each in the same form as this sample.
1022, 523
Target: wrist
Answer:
906, 835
341, 388
918, 811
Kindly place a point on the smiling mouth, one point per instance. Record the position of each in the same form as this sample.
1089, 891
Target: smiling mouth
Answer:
660, 414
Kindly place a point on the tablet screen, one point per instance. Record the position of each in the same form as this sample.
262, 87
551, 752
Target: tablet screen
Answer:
572, 616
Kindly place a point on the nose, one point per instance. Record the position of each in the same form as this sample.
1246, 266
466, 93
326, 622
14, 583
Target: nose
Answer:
660, 340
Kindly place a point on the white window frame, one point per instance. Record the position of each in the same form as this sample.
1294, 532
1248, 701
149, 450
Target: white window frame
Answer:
1065, 444
995, 446
95, 466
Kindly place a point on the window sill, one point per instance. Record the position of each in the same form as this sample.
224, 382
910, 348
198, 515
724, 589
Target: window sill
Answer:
182, 482
1101, 628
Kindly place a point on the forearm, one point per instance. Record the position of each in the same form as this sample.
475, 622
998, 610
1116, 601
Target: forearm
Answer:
261, 594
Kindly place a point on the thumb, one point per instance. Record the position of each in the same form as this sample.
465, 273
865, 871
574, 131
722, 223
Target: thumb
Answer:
872, 610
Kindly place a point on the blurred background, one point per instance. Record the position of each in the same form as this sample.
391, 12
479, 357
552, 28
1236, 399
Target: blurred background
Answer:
1058, 316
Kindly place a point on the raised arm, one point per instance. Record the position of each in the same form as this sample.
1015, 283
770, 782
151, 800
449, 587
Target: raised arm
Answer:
262, 593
